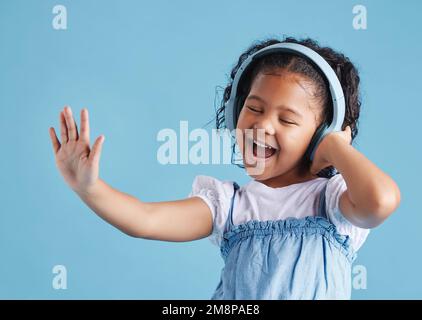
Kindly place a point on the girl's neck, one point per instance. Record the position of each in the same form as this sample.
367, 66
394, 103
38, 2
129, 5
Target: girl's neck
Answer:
287, 179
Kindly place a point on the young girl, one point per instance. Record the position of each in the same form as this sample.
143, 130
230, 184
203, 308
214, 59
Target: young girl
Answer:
292, 232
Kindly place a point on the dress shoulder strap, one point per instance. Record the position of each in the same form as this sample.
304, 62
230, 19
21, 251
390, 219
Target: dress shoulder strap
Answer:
229, 221
322, 212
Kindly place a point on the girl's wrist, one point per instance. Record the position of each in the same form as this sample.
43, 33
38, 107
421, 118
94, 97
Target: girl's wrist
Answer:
90, 191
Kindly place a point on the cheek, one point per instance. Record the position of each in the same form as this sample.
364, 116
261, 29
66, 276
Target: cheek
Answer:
241, 136
294, 139
242, 120
242, 124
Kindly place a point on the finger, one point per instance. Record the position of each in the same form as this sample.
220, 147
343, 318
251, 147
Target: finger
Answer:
63, 128
70, 123
76, 129
350, 135
95, 153
84, 125
54, 140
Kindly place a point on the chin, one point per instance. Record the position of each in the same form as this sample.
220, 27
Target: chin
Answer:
261, 176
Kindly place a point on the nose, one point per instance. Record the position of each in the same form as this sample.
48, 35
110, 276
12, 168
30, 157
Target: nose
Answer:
265, 123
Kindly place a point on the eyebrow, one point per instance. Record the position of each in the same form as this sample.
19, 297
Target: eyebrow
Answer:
254, 97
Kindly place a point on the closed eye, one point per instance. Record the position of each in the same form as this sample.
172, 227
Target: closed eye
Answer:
253, 109
287, 121
259, 111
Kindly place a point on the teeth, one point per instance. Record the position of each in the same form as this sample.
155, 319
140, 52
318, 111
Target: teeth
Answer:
262, 145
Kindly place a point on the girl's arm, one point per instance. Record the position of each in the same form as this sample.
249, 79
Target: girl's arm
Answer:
181, 220
371, 195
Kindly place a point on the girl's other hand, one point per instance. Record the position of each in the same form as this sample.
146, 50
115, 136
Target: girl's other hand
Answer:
321, 156
76, 161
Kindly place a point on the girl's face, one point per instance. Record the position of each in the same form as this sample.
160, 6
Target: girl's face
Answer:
289, 132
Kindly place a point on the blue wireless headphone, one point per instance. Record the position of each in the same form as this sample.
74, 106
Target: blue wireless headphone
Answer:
233, 107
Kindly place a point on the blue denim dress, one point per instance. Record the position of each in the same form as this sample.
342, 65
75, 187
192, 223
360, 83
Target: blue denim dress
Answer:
285, 259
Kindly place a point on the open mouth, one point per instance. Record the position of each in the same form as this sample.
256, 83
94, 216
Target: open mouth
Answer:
263, 150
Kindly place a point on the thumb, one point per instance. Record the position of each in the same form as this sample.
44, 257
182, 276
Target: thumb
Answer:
95, 153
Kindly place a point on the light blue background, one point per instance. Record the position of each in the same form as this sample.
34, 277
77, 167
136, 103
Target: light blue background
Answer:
143, 66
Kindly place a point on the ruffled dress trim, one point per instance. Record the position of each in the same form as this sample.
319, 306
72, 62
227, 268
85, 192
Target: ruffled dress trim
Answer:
304, 226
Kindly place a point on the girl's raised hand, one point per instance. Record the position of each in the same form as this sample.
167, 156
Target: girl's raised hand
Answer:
76, 161
320, 157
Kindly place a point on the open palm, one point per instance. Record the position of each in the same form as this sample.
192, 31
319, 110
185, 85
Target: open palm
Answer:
76, 161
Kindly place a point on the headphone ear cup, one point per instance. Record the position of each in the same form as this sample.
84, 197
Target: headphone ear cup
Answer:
314, 141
